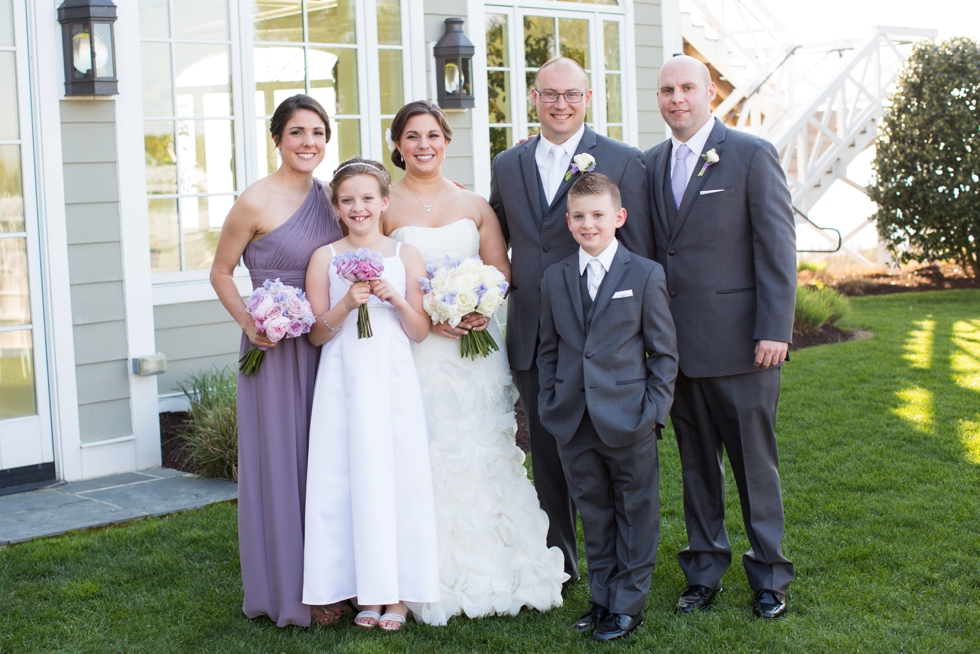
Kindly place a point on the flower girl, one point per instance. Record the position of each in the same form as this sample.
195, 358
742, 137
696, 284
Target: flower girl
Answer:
370, 512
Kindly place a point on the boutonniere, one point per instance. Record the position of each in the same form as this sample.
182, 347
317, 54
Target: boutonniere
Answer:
710, 159
581, 163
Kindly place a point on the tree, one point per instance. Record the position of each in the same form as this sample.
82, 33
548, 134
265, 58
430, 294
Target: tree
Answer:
927, 164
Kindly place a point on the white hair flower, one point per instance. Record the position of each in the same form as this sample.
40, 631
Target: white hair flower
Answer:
391, 144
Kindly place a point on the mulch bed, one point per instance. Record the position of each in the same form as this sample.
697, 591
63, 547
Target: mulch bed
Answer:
171, 439
927, 278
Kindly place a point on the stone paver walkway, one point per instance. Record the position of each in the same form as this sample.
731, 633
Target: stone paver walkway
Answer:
104, 501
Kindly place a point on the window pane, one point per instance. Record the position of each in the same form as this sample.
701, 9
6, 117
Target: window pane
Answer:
532, 113
278, 20
15, 307
389, 22
6, 23
16, 375
539, 40
498, 54
201, 219
344, 144
8, 97
615, 132
574, 37
396, 172
154, 19
498, 85
202, 78
500, 140
390, 73
280, 72
161, 157
333, 79
205, 151
158, 97
610, 40
331, 21
614, 98
11, 195
268, 160
164, 236
206, 20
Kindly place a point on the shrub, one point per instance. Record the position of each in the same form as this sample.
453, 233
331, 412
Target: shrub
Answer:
819, 306
811, 266
211, 435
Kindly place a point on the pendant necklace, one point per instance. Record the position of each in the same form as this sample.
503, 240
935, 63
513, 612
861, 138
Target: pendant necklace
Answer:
428, 207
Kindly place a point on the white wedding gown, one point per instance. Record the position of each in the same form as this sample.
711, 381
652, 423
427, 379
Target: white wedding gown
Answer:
493, 558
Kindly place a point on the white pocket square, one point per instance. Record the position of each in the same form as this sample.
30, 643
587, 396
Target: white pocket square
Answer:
627, 293
714, 190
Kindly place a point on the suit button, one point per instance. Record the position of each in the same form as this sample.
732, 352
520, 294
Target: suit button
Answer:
589, 355
672, 293
547, 248
671, 253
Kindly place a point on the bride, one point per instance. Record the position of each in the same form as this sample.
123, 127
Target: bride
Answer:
492, 553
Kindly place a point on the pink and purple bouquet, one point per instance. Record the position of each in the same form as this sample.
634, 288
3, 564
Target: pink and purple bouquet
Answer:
360, 266
460, 287
279, 311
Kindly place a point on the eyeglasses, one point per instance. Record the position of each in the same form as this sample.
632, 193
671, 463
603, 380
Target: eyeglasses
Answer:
571, 97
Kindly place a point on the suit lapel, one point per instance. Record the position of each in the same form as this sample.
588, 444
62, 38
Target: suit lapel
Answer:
618, 270
572, 284
587, 142
715, 140
659, 175
529, 172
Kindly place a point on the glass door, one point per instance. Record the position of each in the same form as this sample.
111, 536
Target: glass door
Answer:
26, 453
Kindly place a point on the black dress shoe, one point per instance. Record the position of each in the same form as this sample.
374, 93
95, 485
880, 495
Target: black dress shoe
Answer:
696, 598
569, 582
768, 604
595, 615
616, 626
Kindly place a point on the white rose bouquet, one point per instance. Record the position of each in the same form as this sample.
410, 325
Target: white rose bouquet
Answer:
457, 288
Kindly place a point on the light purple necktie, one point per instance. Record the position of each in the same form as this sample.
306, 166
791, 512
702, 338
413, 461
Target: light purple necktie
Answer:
678, 179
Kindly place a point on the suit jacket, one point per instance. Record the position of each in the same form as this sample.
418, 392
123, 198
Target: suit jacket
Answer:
730, 257
622, 365
538, 233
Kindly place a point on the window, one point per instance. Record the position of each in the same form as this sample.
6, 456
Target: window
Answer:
522, 38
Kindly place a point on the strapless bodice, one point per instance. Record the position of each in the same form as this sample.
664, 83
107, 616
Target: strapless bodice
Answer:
458, 240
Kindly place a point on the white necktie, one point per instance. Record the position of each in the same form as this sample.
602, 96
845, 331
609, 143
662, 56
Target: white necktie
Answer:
555, 171
596, 273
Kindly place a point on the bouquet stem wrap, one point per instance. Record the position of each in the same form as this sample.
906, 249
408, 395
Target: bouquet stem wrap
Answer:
458, 288
361, 265
279, 312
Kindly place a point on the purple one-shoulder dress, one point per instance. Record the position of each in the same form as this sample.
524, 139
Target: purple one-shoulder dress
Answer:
273, 428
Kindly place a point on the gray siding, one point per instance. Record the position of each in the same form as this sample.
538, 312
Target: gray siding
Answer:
195, 336
459, 159
95, 265
649, 59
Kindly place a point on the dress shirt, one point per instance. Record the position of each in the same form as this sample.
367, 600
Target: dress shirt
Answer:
544, 148
696, 143
605, 257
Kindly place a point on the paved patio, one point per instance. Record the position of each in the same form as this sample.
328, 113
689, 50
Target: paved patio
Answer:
105, 501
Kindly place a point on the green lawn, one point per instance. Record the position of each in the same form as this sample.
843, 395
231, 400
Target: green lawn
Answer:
880, 448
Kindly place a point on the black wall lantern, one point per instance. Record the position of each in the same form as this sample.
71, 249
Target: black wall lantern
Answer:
454, 67
89, 47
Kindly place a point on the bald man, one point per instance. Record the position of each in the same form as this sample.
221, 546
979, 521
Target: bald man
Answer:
527, 191
725, 235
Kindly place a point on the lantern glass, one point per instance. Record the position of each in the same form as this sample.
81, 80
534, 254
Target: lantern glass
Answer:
453, 78
104, 61
83, 43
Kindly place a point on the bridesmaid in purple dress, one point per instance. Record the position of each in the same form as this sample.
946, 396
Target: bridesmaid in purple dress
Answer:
276, 224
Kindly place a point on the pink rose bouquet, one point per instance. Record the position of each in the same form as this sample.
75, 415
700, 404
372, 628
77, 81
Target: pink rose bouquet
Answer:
279, 311
360, 266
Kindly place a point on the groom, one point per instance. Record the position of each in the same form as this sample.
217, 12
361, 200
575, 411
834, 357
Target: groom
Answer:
726, 238
527, 191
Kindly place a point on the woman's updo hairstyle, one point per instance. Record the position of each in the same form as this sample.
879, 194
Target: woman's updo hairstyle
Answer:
358, 166
288, 107
406, 113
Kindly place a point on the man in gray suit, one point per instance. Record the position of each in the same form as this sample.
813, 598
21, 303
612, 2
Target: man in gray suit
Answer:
527, 191
726, 238
607, 362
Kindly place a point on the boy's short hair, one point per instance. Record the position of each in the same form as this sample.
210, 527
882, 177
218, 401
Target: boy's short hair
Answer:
595, 184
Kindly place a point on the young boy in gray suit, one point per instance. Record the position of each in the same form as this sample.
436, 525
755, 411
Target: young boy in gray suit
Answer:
607, 363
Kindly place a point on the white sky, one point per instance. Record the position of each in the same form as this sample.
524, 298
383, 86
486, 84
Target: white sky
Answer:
812, 21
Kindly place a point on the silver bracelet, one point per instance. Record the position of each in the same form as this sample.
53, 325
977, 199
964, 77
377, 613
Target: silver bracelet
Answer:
327, 325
